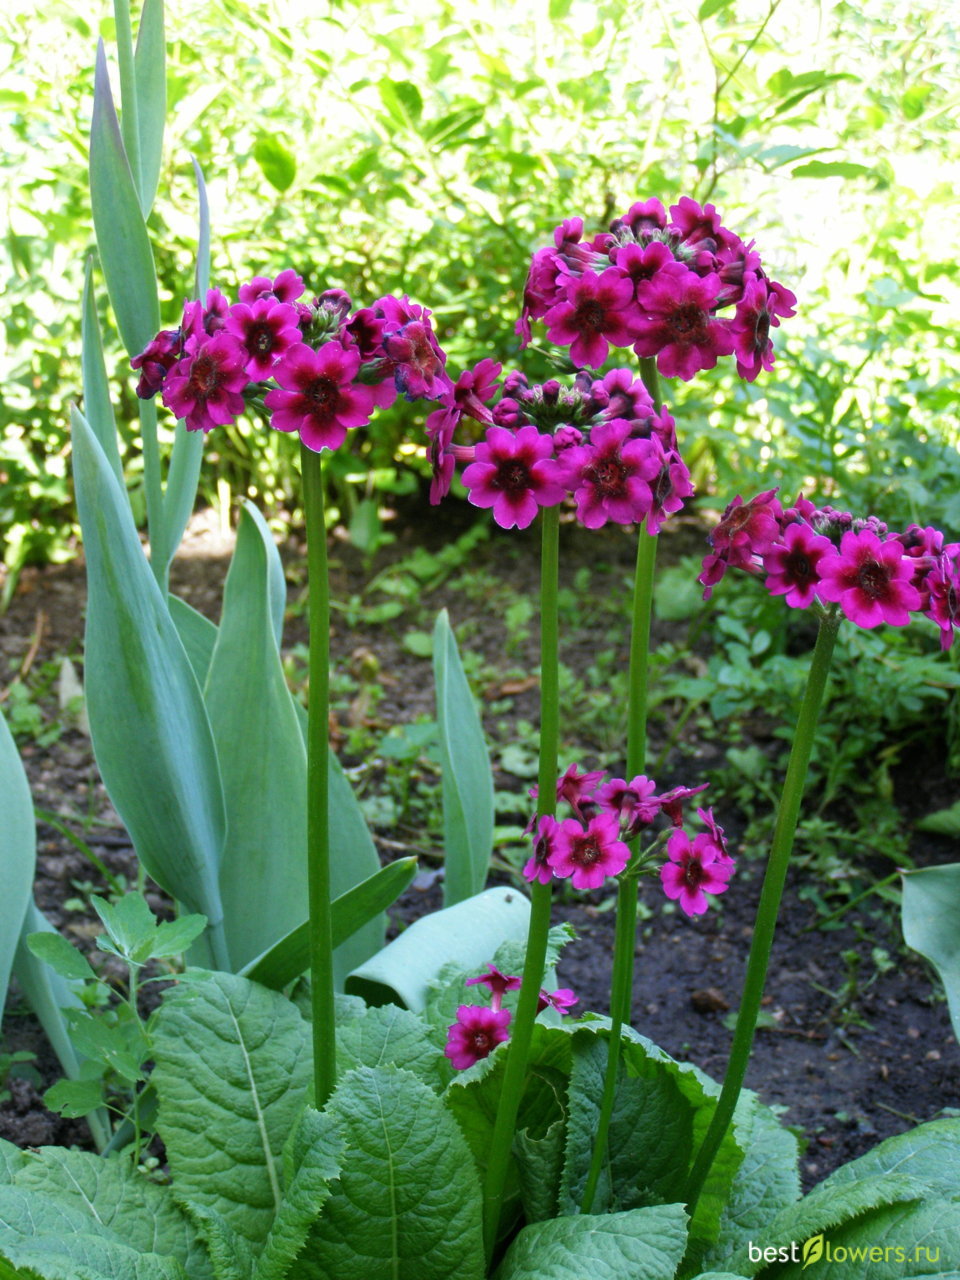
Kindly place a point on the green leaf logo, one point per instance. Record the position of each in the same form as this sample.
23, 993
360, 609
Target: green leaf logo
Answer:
812, 1251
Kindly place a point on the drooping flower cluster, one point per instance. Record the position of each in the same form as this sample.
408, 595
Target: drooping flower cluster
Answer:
808, 553
317, 368
480, 1028
600, 442
680, 286
589, 846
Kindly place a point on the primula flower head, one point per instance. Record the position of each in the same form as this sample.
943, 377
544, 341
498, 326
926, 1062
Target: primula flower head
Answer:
694, 869
763, 300
475, 1034
588, 856
678, 325
871, 581
515, 474
671, 802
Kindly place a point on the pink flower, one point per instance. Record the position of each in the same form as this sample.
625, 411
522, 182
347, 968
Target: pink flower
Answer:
515, 475
266, 329
757, 311
610, 476
871, 581
633, 802
793, 567
475, 1034
576, 788
594, 311
678, 326
693, 871
317, 395
499, 983
562, 1000
746, 530
205, 387
669, 487
942, 586
156, 360
538, 866
287, 287
671, 802
589, 856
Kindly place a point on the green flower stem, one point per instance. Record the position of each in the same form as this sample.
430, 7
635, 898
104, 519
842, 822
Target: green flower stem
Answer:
773, 882
518, 1050
621, 982
153, 487
318, 803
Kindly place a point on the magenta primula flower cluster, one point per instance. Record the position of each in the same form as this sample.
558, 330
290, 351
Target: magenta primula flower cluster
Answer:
599, 441
480, 1028
317, 367
591, 845
658, 283
812, 554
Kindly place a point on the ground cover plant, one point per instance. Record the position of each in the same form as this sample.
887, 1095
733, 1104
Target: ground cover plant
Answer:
329, 1106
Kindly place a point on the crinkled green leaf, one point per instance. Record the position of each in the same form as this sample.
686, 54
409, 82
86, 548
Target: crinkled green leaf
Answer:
12, 1159
290, 957
640, 1244
408, 1202
929, 1153
539, 1168
147, 718
390, 1036
18, 852
122, 240
151, 78
650, 1140
931, 925
467, 780
118, 1197
312, 1160
61, 1242
232, 1070
263, 764
826, 1209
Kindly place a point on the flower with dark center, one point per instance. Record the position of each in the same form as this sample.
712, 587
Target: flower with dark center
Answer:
871, 580
475, 1034
593, 312
515, 474
588, 855
265, 329
763, 300
793, 566
317, 395
677, 323
610, 476
695, 869
205, 387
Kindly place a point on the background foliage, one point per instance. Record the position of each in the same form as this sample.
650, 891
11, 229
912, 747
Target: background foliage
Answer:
385, 149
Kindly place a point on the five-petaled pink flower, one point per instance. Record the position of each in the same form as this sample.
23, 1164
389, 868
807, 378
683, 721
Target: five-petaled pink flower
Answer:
265, 329
588, 856
610, 477
317, 395
475, 1034
793, 566
515, 474
205, 387
678, 325
594, 311
695, 868
871, 580
499, 984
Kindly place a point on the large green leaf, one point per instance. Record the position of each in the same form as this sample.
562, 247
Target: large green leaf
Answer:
263, 764
97, 404
18, 852
232, 1070
151, 81
197, 634
407, 1204
115, 1195
467, 779
390, 1036
467, 934
930, 1153
931, 925
642, 1244
122, 241
312, 1160
149, 727
59, 1241
290, 957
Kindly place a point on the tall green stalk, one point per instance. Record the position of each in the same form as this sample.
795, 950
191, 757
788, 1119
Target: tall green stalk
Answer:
518, 1050
771, 893
318, 803
621, 982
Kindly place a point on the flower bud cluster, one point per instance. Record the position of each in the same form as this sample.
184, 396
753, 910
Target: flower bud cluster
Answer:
590, 845
809, 554
317, 368
658, 283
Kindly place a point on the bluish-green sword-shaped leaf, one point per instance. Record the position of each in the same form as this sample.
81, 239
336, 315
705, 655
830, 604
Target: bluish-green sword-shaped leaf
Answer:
97, 405
467, 779
197, 633
263, 874
931, 925
18, 852
151, 736
151, 87
122, 240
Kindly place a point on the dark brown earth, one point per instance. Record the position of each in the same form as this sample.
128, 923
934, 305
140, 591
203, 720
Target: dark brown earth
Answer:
848, 1063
